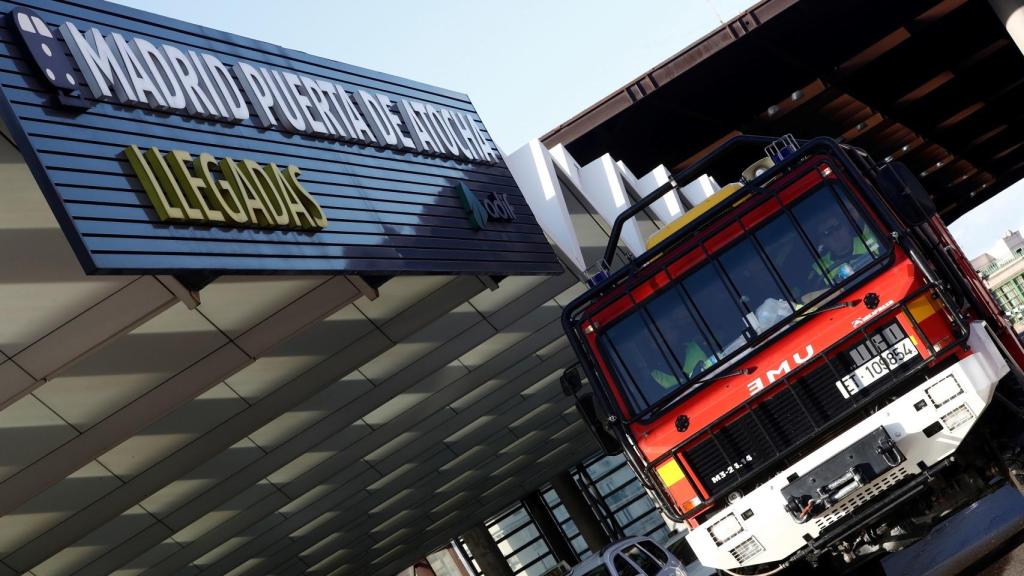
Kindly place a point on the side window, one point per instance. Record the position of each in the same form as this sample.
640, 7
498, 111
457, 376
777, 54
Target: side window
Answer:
654, 550
624, 568
867, 234
641, 559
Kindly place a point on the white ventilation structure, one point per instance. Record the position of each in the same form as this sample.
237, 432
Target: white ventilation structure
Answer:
666, 209
534, 172
606, 185
699, 190
603, 188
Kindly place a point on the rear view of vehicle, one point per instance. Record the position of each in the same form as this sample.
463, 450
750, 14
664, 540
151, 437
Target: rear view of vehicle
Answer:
802, 366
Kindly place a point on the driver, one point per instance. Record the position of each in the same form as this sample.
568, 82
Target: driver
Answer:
842, 251
695, 360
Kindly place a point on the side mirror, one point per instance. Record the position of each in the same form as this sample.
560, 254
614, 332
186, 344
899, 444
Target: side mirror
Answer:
905, 193
571, 381
588, 411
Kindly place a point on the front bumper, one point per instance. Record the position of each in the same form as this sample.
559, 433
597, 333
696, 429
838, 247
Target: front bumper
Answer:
927, 424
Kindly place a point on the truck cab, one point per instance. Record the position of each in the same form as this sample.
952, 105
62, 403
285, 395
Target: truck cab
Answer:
796, 362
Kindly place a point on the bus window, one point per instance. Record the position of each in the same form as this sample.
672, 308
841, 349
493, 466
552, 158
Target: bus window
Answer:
743, 290
867, 234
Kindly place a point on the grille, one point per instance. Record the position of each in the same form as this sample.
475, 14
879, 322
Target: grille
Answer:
820, 395
756, 435
787, 419
958, 416
784, 420
747, 550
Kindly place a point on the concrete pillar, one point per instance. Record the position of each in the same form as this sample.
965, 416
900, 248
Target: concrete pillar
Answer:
580, 511
485, 551
1011, 14
548, 527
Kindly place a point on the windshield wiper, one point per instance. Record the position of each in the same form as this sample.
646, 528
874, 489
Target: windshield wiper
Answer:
689, 389
737, 372
846, 304
694, 385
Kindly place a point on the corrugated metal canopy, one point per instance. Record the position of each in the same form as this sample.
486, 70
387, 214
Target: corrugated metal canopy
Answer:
937, 84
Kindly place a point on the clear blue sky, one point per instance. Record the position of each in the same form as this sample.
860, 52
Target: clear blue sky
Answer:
528, 65
981, 229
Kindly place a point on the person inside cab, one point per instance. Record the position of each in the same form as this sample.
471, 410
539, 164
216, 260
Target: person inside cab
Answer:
841, 249
657, 351
694, 361
688, 347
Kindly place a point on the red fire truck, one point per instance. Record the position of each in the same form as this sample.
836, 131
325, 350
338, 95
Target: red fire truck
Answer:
803, 367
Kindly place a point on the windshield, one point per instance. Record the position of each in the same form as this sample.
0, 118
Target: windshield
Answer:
738, 293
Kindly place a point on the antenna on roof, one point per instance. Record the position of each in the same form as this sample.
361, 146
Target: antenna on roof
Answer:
715, 11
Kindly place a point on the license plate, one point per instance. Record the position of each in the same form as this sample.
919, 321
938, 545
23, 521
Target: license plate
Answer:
876, 367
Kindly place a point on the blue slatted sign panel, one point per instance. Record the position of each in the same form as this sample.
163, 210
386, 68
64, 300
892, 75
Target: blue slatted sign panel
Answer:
166, 147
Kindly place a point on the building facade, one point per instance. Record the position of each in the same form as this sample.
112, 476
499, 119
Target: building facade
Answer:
1005, 278
615, 498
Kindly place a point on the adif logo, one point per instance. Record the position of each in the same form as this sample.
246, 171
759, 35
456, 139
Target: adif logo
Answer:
48, 54
496, 207
784, 368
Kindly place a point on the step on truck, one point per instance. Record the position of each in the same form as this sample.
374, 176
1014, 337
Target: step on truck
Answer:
802, 368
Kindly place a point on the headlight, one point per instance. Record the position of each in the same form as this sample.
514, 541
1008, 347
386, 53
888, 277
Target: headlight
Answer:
674, 480
943, 391
725, 529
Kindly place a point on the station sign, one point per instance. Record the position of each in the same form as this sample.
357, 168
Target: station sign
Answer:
250, 195
165, 147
